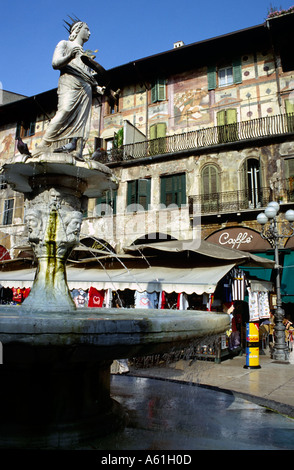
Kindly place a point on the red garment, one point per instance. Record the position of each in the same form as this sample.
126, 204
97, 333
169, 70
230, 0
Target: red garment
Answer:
17, 294
96, 297
163, 300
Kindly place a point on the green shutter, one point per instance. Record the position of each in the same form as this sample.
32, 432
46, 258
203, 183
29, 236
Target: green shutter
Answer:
132, 190
289, 107
182, 189
237, 70
221, 118
144, 186
154, 93
161, 129
211, 77
173, 189
139, 192
153, 133
231, 116
158, 90
161, 87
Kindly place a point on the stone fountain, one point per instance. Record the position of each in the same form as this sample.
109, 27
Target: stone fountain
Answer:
55, 376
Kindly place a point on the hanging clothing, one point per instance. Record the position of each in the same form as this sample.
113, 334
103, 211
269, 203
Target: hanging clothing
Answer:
108, 298
96, 297
263, 303
80, 297
227, 289
146, 299
182, 302
238, 284
162, 302
258, 303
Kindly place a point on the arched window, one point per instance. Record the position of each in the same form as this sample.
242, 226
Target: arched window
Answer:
251, 183
210, 188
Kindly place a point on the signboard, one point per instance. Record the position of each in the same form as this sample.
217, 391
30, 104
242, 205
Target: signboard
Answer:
239, 238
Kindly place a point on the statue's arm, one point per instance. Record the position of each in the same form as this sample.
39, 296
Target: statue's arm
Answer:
63, 54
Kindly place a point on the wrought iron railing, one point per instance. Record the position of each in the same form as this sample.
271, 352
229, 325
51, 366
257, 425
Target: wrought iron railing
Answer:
210, 136
229, 201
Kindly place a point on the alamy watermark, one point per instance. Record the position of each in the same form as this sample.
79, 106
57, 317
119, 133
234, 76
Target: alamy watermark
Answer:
154, 222
1, 93
1, 353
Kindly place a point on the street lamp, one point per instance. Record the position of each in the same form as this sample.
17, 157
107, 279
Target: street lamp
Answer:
270, 232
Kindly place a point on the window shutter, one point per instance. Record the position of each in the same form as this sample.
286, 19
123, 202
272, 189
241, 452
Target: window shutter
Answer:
231, 116
132, 190
161, 129
237, 70
153, 133
210, 180
144, 186
211, 77
161, 96
289, 107
182, 189
290, 167
154, 93
221, 118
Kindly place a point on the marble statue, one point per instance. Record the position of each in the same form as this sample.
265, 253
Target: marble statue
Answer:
76, 85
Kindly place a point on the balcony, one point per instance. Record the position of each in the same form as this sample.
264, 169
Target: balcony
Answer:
239, 201
270, 126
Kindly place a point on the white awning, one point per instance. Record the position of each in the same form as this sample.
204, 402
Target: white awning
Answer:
190, 280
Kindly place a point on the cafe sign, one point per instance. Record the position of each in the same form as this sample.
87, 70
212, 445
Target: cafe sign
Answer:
239, 238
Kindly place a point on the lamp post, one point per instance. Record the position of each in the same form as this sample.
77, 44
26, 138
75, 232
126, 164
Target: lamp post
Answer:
271, 232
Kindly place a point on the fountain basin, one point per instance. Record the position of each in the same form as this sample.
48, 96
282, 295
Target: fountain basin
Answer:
56, 367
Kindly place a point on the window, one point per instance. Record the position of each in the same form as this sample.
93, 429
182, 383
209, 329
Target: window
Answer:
113, 106
227, 125
8, 212
210, 188
106, 204
289, 172
173, 189
158, 90
251, 184
138, 195
224, 75
289, 105
25, 129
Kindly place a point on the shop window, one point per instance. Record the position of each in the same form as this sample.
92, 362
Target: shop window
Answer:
106, 204
138, 194
158, 90
173, 190
227, 125
219, 76
8, 212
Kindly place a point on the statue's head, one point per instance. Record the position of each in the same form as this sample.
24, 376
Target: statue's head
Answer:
77, 27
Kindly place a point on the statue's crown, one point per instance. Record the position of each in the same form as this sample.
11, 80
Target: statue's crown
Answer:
68, 26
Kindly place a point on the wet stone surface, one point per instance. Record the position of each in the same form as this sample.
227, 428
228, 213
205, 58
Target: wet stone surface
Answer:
167, 415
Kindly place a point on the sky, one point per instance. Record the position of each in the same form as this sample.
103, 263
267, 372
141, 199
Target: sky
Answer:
121, 30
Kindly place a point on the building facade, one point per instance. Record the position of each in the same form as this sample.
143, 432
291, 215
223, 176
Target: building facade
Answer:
200, 138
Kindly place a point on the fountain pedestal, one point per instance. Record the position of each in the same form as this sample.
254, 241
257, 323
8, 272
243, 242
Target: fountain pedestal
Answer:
56, 188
